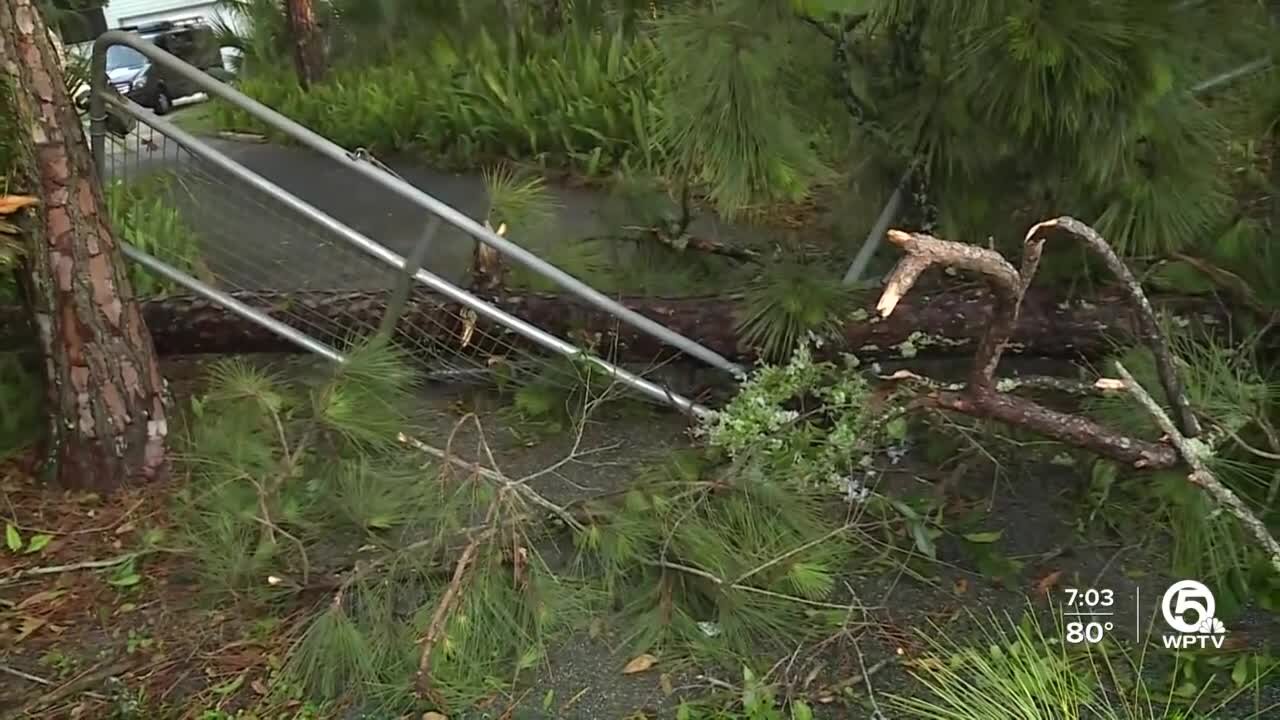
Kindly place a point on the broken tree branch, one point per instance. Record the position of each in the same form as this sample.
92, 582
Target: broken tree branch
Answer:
1009, 287
435, 630
684, 241
85, 565
1148, 328
1069, 429
924, 251
518, 486
1194, 452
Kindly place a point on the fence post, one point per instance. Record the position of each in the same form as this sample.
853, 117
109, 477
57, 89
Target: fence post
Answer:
404, 283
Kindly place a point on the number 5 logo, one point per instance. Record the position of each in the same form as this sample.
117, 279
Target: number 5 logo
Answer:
1187, 596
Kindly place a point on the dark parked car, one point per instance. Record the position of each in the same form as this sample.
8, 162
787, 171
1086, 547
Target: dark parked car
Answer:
135, 77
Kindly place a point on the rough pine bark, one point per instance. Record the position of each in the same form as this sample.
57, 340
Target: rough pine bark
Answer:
927, 322
308, 46
105, 395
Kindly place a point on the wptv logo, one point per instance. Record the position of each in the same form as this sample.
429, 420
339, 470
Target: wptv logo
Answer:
1188, 607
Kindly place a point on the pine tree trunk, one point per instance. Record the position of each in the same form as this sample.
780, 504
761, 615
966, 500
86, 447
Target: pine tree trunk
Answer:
104, 391
937, 322
308, 48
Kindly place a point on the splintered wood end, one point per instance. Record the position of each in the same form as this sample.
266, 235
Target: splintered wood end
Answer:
900, 281
888, 301
899, 237
1035, 229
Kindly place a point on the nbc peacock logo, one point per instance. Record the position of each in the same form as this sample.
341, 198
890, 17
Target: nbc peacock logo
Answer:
1188, 608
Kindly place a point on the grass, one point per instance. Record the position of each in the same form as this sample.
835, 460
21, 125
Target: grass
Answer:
199, 119
1235, 399
1023, 671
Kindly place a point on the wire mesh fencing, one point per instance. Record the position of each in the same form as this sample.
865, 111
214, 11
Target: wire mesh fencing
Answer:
202, 220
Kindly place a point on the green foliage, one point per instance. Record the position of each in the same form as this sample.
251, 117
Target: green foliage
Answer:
1237, 403
289, 473
1204, 675
810, 423
727, 122
521, 203
723, 564
1235, 400
1167, 193
1223, 383
501, 629
1019, 671
143, 214
729, 557
582, 100
1026, 109
559, 396
1015, 109
259, 30
333, 655
259, 476
789, 303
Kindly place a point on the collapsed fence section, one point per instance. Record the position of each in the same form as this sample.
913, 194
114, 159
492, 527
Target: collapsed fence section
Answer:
241, 244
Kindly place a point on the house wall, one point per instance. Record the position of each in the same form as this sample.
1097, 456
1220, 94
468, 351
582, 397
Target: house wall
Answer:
139, 12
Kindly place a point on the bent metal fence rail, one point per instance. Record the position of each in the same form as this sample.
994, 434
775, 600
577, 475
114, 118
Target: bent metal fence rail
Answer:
249, 247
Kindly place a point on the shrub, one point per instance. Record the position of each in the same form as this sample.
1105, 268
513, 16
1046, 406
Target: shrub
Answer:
578, 100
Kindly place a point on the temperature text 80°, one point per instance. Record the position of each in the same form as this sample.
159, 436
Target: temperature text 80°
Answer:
1087, 632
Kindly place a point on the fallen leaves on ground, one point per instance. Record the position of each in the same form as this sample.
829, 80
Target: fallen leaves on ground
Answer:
1045, 584
639, 664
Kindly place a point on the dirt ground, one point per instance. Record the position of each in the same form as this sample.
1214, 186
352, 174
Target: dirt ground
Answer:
86, 631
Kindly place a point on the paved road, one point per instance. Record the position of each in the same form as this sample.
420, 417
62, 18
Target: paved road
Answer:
254, 242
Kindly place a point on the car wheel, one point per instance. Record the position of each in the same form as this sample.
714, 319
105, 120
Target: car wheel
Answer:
163, 104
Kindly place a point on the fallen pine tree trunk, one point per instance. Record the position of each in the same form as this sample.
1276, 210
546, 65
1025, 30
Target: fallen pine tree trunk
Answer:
939, 321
